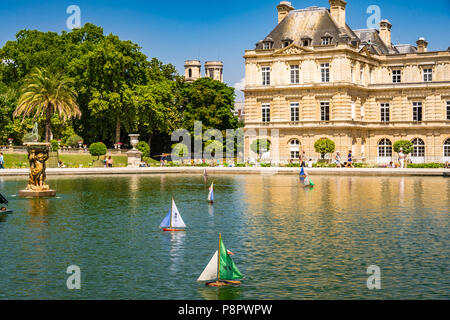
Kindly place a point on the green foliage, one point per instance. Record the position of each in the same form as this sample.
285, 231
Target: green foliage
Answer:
260, 146
97, 149
324, 146
143, 147
406, 145
55, 145
211, 146
426, 165
73, 141
179, 149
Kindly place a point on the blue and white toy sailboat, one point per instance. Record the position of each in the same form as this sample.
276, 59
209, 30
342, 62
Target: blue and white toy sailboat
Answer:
173, 220
211, 193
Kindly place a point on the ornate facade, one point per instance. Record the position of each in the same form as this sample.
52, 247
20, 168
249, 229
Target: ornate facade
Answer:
314, 77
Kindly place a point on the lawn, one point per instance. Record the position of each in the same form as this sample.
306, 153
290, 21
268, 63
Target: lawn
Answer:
20, 160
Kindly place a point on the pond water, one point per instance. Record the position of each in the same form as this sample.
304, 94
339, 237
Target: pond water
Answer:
289, 242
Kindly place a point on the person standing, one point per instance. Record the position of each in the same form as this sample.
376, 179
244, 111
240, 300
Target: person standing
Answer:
401, 158
349, 159
2, 161
303, 159
338, 160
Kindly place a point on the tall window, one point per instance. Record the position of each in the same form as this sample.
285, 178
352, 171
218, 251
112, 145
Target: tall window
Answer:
190, 73
418, 148
295, 116
361, 76
295, 74
266, 112
396, 76
324, 111
211, 73
385, 114
385, 148
295, 149
417, 111
325, 72
448, 110
265, 76
447, 148
427, 75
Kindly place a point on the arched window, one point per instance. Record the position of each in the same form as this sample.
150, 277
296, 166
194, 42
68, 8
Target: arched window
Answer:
418, 148
385, 148
295, 149
190, 73
447, 150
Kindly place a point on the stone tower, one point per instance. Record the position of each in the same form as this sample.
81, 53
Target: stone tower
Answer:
214, 70
192, 70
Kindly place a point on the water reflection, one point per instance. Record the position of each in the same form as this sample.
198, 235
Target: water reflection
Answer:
222, 293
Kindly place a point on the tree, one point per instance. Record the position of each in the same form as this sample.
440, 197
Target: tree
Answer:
406, 145
74, 140
260, 146
211, 102
47, 93
106, 76
324, 146
97, 149
143, 147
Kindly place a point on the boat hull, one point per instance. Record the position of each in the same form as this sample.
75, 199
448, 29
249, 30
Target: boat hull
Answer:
222, 283
172, 230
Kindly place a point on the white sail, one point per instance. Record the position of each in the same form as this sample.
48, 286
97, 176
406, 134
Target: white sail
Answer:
177, 221
210, 272
211, 192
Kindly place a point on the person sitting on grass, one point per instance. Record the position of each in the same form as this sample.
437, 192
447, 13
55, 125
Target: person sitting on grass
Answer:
391, 165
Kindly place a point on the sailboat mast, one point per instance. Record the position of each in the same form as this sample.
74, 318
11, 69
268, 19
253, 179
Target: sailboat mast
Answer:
218, 255
171, 213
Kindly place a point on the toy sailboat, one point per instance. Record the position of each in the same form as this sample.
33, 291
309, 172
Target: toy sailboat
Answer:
173, 220
221, 270
4, 210
305, 179
211, 193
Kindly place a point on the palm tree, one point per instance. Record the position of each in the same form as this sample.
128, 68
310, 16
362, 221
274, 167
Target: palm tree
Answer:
44, 92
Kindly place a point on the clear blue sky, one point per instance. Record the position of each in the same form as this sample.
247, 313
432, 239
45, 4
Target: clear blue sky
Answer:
174, 31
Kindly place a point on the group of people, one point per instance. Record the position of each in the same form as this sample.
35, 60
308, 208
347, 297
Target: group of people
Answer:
346, 164
108, 162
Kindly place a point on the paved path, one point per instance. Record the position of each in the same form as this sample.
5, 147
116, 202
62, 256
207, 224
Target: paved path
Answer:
218, 170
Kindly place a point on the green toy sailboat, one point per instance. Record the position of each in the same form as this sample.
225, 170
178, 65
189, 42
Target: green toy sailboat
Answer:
221, 270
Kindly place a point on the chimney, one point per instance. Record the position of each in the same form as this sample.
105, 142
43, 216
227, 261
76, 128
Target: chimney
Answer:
385, 32
422, 45
283, 9
337, 10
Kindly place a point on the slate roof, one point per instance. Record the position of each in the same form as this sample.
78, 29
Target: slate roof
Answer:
316, 22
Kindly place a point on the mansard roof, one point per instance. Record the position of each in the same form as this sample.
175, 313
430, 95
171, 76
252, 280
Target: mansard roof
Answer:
317, 23
314, 23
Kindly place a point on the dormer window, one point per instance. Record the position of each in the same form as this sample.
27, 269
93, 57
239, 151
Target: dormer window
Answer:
268, 43
326, 41
306, 41
286, 42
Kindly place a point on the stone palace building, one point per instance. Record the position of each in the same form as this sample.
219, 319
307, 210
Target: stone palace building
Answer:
314, 77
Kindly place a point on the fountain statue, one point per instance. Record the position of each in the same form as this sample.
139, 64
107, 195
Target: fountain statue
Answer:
38, 154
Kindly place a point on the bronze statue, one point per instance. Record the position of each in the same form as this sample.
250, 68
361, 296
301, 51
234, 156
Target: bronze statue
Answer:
37, 158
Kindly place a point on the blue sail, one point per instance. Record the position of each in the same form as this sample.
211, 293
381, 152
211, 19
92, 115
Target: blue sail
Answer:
166, 222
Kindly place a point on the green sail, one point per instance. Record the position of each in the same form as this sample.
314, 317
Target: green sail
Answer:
227, 268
